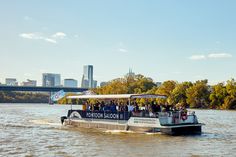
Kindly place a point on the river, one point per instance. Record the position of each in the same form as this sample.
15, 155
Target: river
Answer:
34, 130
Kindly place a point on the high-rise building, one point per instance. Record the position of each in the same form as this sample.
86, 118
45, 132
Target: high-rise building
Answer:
87, 79
11, 82
95, 83
70, 83
130, 74
29, 83
51, 80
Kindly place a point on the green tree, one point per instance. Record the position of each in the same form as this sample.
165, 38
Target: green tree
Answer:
166, 89
178, 95
217, 96
130, 84
230, 100
198, 94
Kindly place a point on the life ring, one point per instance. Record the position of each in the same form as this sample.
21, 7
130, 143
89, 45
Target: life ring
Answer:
184, 116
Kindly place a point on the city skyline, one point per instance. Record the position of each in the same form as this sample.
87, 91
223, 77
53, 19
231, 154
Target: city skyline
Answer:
164, 40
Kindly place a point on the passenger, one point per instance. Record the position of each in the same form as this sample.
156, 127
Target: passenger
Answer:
146, 107
113, 107
96, 107
150, 112
130, 108
136, 108
126, 108
158, 108
89, 108
154, 108
107, 107
102, 105
167, 107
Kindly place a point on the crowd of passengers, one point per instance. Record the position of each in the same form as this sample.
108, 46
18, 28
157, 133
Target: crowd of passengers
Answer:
113, 106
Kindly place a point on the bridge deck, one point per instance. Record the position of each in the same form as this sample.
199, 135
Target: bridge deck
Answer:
41, 89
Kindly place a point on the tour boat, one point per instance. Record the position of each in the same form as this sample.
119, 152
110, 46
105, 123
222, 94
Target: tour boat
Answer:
172, 122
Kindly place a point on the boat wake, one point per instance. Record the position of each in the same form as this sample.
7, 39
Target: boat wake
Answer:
14, 125
118, 132
44, 122
130, 132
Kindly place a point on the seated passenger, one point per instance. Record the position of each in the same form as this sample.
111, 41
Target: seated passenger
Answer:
113, 108
130, 108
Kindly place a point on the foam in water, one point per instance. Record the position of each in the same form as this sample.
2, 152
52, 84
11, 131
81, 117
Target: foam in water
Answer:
44, 122
118, 131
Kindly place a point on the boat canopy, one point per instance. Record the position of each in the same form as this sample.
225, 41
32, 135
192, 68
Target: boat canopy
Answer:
116, 96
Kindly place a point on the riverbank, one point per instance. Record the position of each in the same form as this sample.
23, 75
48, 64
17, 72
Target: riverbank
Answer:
23, 97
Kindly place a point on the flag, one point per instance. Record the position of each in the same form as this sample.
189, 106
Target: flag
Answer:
58, 95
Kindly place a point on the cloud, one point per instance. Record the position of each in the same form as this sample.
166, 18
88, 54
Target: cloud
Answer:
211, 56
50, 40
219, 55
122, 50
31, 35
59, 35
197, 57
39, 36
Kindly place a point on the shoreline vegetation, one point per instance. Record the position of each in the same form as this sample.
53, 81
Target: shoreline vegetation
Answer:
23, 97
188, 94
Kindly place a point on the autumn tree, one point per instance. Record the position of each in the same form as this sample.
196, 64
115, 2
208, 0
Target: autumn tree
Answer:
178, 95
230, 99
165, 89
198, 94
217, 96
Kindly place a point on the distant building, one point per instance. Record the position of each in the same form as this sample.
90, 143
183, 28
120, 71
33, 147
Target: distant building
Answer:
30, 83
51, 80
103, 84
87, 79
130, 73
158, 84
11, 82
70, 83
95, 83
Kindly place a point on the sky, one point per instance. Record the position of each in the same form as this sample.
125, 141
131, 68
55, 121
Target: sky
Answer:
182, 40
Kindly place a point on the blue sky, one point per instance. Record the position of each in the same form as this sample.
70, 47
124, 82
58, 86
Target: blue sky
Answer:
182, 40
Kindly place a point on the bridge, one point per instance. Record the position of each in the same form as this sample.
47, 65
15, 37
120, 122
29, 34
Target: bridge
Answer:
41, 89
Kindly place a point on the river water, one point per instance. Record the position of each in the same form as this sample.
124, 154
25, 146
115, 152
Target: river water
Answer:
35, 130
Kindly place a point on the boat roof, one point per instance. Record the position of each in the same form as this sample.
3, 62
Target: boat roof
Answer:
116, 96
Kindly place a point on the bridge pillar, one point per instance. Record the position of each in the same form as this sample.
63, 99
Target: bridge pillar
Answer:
49, 99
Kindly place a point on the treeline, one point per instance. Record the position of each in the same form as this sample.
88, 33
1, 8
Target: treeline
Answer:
194, 95
23, 97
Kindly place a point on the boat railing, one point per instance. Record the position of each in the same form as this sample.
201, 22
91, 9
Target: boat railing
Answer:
177, 117
144, 113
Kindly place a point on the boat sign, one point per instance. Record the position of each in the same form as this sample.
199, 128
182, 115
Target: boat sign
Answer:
144, 122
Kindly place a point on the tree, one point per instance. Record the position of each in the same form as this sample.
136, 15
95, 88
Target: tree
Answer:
198, 94
217, 96
230, 100
178, 95
166, 89
130, 84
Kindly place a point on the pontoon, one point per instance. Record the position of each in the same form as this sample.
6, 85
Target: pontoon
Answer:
130, 119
